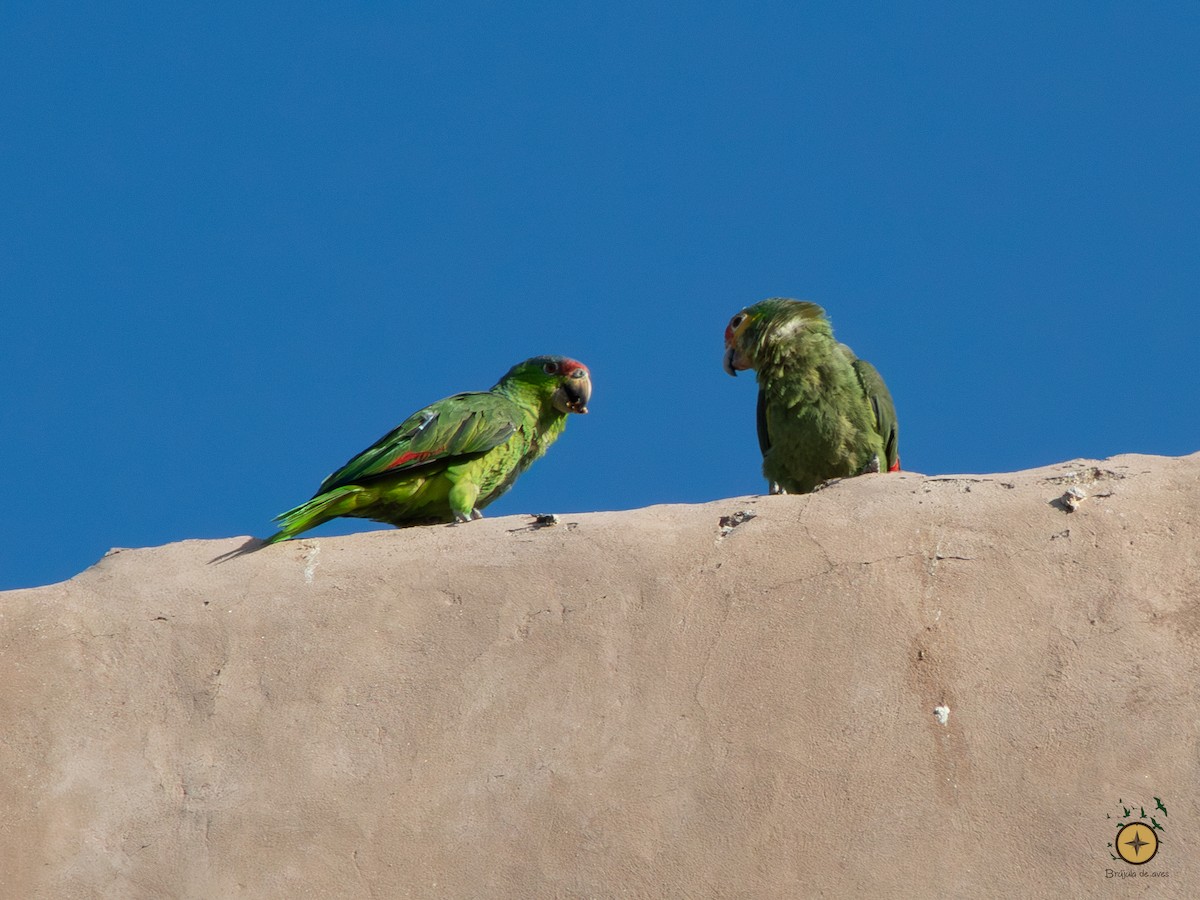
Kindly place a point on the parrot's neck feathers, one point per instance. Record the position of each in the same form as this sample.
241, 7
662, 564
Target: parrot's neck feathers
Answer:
794, 343
785, 331
531, 397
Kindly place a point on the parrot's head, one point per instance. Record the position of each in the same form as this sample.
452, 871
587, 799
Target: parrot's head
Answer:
752, 331
567, 383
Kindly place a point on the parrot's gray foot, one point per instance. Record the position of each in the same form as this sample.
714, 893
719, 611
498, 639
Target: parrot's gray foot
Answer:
476, 514
774, 488
462, 518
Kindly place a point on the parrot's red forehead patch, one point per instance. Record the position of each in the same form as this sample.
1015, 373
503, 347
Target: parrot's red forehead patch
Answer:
570, 365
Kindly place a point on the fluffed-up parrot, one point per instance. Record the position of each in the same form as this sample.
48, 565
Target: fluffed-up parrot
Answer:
448, 461
823, 413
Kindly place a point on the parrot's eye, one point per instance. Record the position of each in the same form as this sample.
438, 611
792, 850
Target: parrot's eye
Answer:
550, 368
737, 320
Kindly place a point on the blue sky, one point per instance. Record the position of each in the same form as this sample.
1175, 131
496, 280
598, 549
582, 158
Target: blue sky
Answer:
240, 242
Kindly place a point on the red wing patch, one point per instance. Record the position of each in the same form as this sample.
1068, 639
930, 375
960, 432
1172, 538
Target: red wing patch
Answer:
895, 467
411, 455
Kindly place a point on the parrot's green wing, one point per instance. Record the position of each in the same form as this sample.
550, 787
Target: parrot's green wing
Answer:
452, 430
883, 407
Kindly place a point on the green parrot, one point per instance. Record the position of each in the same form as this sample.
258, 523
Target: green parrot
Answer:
822, 412
447, 461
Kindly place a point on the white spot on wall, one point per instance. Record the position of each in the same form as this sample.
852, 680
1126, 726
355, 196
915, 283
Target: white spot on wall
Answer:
310, 563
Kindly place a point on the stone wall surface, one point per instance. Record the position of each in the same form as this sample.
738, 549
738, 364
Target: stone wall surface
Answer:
899, 686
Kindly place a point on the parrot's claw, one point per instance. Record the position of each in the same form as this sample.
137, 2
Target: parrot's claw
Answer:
871, 467
476, 514
774, 488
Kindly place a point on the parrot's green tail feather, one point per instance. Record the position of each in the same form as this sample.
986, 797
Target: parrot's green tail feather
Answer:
321, 508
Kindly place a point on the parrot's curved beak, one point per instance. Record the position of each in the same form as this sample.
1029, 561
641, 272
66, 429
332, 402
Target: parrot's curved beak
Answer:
734, 361
573, 395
